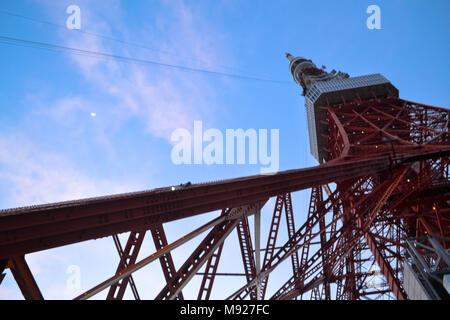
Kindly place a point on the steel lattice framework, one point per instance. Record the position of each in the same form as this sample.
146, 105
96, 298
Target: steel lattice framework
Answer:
383, 178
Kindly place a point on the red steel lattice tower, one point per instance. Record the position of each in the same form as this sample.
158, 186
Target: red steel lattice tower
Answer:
373, 214
383, 178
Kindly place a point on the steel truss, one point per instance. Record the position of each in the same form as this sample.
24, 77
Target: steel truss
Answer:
386, 179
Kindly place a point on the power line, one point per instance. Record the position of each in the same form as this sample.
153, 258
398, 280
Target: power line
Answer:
63, 27
44, 45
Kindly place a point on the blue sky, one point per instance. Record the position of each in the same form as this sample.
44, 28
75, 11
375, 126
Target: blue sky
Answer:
52, 149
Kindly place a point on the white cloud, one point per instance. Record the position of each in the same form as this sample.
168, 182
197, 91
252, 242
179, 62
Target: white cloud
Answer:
164, 99
36, 175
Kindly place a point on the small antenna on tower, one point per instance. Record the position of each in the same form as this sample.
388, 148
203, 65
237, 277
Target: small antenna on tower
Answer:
289, 56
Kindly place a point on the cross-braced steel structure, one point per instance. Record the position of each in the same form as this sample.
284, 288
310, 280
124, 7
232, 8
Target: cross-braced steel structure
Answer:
383, 178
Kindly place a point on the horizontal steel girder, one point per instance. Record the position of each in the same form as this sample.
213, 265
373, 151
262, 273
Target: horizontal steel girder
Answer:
31, 229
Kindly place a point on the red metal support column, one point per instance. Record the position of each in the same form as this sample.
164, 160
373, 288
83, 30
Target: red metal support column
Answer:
248, 258
210, 274
272, 238
386, 269
326, 293
24, 278
348, 206
127, 257
124, 264
210, 271
316, 198
167, 265
291, 231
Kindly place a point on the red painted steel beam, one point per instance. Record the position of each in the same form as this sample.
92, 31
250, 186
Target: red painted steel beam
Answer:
299, 290
289, 211
127, 257
37, 228
272, 239
209, 275
24, 278
246, 248
385, 267
320, 279
315, 200
325, 265
167, 265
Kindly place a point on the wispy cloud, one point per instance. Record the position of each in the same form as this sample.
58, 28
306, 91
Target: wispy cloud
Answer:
163, 99
37, 175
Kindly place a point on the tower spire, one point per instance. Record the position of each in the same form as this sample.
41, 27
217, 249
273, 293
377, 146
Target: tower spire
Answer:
306, 73
331, 88
289, 56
